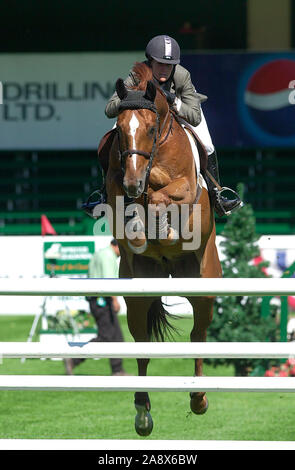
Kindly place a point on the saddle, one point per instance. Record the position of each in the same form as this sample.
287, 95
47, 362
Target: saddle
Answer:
104, 149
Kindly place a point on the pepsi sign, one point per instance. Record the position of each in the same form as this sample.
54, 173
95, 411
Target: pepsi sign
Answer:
251, 97
267, 102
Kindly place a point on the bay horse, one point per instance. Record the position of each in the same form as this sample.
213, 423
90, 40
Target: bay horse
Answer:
151, 164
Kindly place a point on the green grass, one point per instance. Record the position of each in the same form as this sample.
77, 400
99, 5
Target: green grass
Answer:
110, 415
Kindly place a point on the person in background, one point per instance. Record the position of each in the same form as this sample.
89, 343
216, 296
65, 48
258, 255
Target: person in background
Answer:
104, 264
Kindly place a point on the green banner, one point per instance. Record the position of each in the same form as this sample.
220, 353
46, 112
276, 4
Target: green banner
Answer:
67, 257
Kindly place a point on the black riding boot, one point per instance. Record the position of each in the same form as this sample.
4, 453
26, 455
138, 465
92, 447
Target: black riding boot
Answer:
99, 196
222, 205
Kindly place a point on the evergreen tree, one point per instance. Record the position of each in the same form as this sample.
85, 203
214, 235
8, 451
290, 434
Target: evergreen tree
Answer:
238, 318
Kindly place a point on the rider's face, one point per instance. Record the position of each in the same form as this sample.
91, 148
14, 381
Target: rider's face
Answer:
161, 71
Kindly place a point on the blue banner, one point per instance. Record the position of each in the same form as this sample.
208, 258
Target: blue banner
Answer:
251, 97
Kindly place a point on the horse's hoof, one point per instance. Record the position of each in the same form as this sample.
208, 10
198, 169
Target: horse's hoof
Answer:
139, 249
172, 238
198, 406
143, 421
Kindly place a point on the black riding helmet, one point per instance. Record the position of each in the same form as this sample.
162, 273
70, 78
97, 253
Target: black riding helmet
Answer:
163, 49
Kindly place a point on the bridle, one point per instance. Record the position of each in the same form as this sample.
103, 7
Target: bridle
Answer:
157, 142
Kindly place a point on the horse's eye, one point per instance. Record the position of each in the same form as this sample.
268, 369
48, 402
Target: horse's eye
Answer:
151, 131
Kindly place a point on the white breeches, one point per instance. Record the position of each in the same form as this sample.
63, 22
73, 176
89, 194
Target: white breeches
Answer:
204, 135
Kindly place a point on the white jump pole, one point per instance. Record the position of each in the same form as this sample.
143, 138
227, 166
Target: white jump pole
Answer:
209, 350
145, 287
141, 287
146, 384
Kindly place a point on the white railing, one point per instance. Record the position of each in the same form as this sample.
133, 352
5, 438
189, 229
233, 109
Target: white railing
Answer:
182, 350
140, 287
151, 350
147, 384
144, 287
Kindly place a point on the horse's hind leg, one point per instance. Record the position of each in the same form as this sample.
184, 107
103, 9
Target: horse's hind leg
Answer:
143, 419
203, 313
137, 314
137, 309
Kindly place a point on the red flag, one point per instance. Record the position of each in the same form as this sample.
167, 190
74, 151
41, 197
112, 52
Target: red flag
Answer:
46, 227
259, 260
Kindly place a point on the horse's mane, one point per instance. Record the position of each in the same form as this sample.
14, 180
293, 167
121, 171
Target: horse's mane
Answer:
144, 73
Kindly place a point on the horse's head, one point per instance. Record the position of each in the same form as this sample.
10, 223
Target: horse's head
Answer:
139, 128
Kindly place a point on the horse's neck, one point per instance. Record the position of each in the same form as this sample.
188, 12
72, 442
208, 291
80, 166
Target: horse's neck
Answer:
167, 117
171, 156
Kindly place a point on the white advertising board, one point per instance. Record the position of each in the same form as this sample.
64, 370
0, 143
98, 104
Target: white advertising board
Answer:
57, 101
24, 257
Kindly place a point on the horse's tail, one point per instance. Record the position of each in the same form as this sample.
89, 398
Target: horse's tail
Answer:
159, 326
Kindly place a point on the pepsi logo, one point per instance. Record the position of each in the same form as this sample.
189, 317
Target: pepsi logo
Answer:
270, 98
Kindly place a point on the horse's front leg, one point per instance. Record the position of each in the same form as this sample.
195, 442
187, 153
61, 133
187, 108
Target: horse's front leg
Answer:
203, 313
169, 199
135, 232
129, 223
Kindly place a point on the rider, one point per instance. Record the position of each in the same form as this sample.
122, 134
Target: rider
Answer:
163, 56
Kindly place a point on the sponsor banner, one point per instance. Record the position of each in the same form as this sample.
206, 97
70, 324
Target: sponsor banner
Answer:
57, 101
31, 257
67, 257
251, 97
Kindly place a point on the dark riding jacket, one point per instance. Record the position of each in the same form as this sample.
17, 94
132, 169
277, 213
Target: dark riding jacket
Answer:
187, 103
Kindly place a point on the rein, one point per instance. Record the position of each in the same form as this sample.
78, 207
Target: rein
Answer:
152, 154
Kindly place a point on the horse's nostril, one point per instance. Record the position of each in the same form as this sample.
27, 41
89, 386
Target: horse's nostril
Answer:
131, 190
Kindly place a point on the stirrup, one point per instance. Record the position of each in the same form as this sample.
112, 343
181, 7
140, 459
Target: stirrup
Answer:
89, 205
219, 201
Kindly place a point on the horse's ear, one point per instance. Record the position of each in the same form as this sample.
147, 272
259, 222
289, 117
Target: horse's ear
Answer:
151, 91
121, 89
